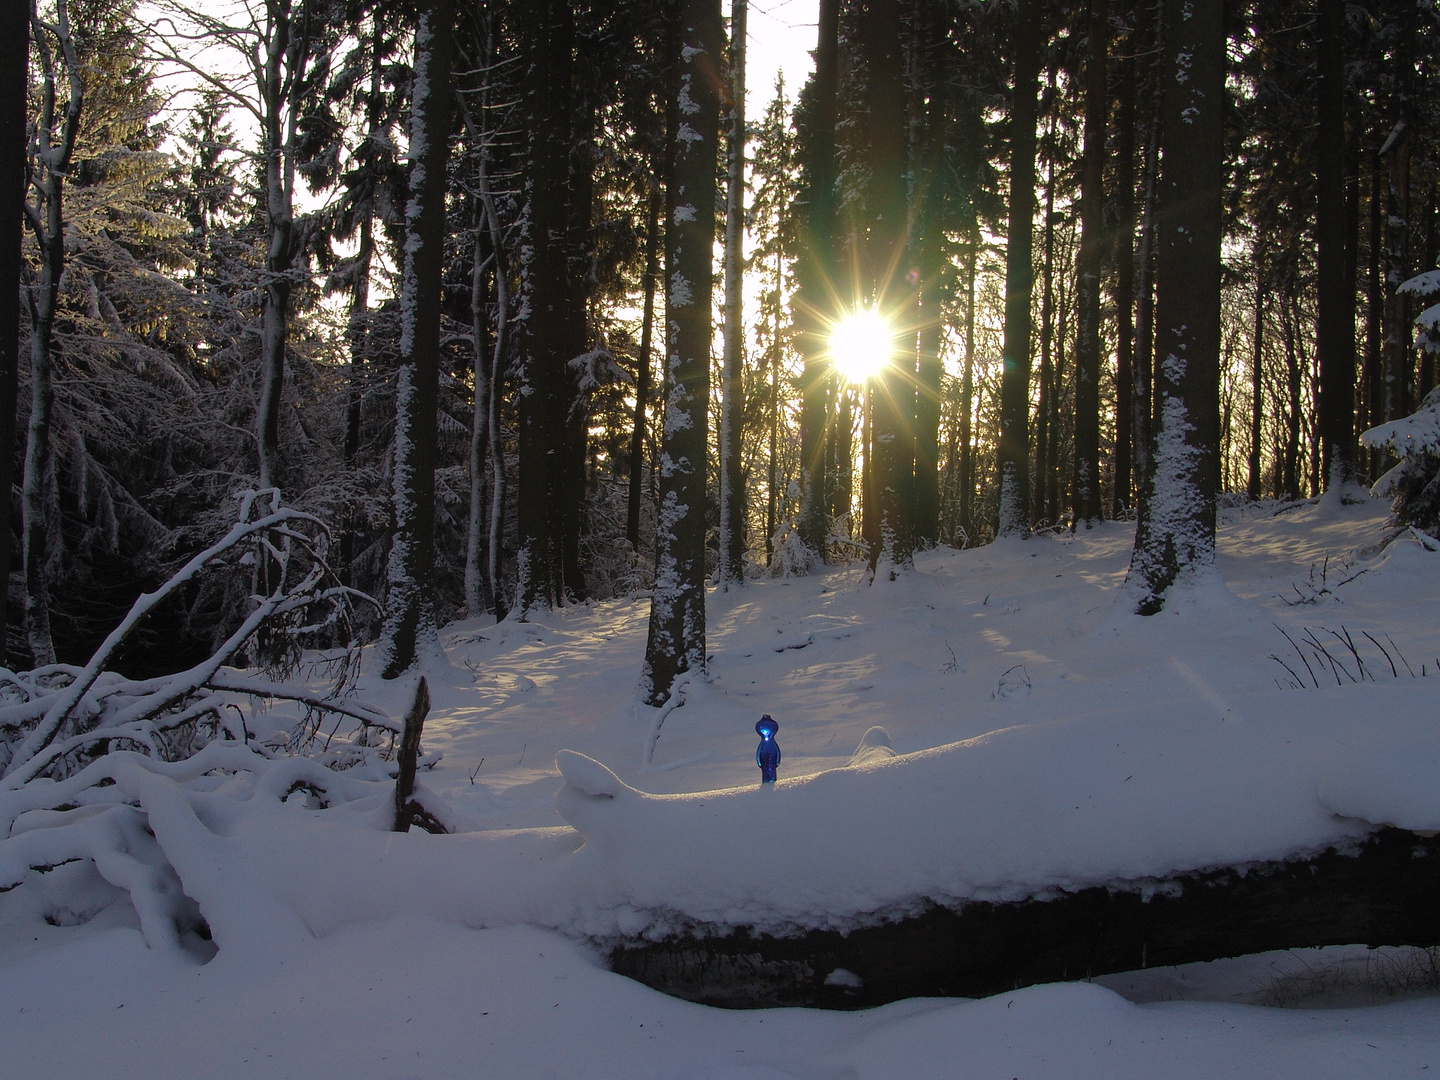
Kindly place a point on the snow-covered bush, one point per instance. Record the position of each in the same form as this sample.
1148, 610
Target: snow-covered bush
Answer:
1414, 483
144, 777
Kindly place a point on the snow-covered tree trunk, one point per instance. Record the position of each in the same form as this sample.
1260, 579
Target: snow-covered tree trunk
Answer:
409, 615
676, 640
1085, 491
1013, 447
1175, 533
732, 479
814, 280
14, 58
52, 146
284, 53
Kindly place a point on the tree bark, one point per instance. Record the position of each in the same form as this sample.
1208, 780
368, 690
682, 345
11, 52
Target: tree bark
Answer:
1014, 449
814, 310
733, 539
1125, 289
676, 637
14, 61
285, 52
1257, 384
1335, 325
58, 126
543, 376
409, 626
891, 532
1175, 533
1085, 494
643, 366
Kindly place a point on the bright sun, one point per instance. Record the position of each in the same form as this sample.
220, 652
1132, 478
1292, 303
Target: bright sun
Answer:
861, 344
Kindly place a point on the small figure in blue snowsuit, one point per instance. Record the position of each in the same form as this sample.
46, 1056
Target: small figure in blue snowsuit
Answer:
767, 755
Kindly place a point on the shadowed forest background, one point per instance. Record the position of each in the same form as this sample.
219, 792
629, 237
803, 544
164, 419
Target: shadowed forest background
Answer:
213, 291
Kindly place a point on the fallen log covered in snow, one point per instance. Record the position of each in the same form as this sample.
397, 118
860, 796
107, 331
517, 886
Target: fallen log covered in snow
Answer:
1384, 891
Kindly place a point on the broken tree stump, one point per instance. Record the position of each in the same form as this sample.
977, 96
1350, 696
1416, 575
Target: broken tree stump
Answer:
1385, 891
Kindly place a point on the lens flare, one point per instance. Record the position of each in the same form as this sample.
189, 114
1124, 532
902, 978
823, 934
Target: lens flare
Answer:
861, 345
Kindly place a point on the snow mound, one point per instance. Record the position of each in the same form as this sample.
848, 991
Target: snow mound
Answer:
1394, 784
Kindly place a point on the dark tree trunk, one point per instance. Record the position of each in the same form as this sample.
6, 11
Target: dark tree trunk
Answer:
544, 376
891, 530
1125, 289
1145, 267
56, 129
1373, 380
1290, 452
14, 58
1335, 326
1175, 533
733, 539
1014, 449
1085, 496
643, 366
813, 268
1257, 384
476, 588
285, 52
573, 478
676, 639
409, 604
1045, 403
930, 262
967, 395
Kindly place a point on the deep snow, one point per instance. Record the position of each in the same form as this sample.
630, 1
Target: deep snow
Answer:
1039, 734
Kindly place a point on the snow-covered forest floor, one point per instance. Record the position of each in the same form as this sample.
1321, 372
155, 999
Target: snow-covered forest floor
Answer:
1038, 736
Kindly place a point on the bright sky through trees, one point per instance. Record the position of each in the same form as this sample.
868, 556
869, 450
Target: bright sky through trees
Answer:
861, 344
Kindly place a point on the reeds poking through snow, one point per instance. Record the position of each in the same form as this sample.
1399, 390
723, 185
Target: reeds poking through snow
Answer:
1336, 655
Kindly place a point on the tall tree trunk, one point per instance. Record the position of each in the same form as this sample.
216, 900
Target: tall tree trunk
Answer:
572, 479
1045, 403
285, 52
1014, 448
643, 365
1125, 289
892, 534
14, 61
967, 394
1175, 533
476, 587
544, 375
409, 627
1373, 372
1290, 481
1085, 495
732, 405
56, 129
676, 638
1431, 339
772, 472
493, 388
1145, 266
1335, 324
1257, 384
813, 283
930, 262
